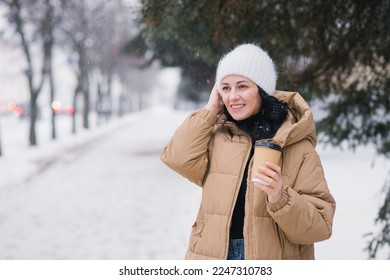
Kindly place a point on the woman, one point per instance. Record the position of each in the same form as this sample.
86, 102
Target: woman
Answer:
213, 147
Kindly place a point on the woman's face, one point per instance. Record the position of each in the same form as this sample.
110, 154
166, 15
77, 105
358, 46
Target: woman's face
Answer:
240, 96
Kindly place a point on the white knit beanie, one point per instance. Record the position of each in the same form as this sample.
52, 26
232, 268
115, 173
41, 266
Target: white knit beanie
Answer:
252, 62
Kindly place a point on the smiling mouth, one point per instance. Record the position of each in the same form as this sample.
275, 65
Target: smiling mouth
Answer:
237, 106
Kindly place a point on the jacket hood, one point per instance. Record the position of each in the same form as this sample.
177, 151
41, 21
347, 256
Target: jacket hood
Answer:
299, 124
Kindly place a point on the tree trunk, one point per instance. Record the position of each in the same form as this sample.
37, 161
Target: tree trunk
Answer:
52, 98
49, 68
86, 106
33, 119
16, 9
84, 84
75, 95
48, 42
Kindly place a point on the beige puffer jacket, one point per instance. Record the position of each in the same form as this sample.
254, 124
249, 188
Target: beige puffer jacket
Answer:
213, 156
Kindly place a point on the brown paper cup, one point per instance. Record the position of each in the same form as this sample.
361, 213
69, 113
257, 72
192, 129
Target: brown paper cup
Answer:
264, 151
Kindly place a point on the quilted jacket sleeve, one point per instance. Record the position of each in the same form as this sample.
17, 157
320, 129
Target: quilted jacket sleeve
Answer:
187, 151
306, 210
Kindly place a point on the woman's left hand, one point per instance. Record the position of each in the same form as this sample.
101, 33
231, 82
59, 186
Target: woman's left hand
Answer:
272, 179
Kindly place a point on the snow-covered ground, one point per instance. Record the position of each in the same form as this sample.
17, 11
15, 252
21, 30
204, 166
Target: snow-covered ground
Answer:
104, 193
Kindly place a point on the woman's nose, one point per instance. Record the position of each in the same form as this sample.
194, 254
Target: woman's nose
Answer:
234, 95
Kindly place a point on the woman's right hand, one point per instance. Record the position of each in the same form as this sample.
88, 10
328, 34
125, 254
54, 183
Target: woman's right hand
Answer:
215, 103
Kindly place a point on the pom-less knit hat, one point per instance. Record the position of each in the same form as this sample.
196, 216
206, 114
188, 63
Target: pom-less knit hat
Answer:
252, 62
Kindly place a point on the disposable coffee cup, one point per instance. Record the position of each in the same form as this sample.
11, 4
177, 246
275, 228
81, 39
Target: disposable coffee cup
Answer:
265, 151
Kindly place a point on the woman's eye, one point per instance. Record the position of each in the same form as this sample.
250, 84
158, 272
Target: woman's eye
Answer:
225, 89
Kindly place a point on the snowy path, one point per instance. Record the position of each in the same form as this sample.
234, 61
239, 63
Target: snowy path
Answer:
106, 195
109, 198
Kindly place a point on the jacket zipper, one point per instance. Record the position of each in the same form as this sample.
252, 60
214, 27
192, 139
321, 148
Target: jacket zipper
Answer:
247, 158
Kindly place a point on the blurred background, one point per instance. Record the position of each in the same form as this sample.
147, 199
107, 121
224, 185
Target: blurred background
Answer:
90, 92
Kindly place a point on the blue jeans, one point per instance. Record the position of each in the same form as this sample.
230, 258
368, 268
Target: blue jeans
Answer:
236, 249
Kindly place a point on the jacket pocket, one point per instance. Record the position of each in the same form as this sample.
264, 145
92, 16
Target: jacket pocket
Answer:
281, 237
290, 251
196, 235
